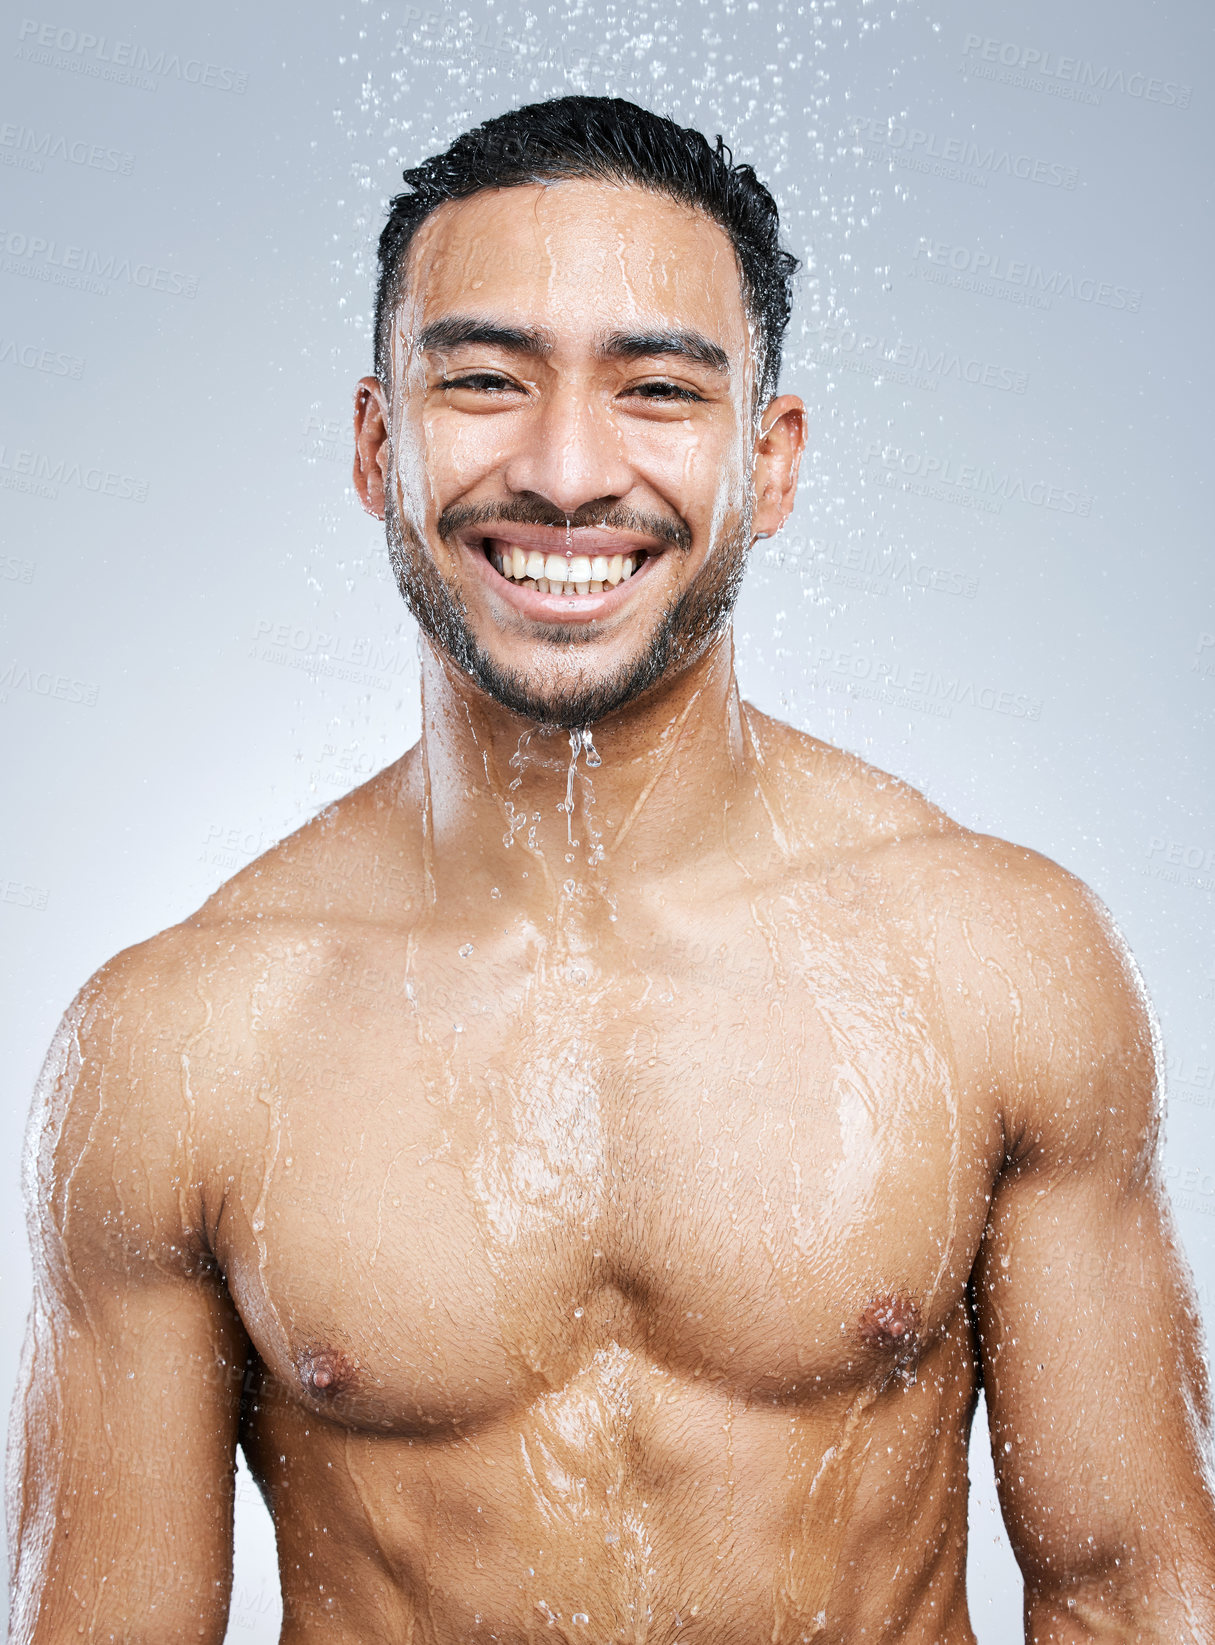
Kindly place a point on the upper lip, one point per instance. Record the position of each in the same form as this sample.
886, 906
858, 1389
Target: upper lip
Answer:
557, 540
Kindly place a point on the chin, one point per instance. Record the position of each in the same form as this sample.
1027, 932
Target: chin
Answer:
585, 696
569, 705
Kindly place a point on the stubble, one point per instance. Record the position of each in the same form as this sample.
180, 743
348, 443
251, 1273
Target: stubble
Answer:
687, 626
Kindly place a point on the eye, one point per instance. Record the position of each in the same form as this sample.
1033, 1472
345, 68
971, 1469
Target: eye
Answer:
488, 382
664, 391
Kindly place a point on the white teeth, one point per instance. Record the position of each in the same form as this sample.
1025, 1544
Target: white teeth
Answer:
555, 574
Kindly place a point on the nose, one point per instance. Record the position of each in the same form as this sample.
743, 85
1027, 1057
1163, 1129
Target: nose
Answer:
571, 452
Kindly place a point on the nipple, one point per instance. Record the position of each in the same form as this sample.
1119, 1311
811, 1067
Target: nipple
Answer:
891, 1323
324, 1372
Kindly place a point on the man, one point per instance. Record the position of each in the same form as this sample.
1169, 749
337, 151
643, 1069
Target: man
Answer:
591, 1167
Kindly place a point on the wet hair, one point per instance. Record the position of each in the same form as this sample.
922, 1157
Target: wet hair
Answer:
607, 139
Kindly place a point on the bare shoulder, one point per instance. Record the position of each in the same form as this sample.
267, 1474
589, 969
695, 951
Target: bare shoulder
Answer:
833, 802
108, 1174
1036, 976
358, 861
828, 800
1062, 1005
166, 1033
225, 974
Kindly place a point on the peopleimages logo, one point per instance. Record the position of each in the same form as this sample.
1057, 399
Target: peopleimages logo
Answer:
328, 439
52, 362
969, 483
81, 268
880, 570
122, 61
903, 685
1179, 862
1034, 284
13, 569
40, 682
20, 895
903, 361
361, 660
1076, 79
41, 475
1191, 1082
28, 149
962, 157
1182, 855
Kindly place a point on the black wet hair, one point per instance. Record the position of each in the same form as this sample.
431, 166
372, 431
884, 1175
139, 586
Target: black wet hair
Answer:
609, 139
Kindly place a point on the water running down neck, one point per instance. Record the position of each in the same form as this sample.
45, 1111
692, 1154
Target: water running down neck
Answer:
582, 743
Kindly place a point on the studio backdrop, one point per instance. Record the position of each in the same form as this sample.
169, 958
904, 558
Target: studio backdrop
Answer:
997, 582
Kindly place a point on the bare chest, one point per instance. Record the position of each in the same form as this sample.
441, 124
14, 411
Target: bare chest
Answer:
458, 1183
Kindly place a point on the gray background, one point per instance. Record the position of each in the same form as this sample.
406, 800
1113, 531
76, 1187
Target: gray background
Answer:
996, 583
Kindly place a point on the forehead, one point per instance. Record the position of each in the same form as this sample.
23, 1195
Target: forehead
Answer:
579, 257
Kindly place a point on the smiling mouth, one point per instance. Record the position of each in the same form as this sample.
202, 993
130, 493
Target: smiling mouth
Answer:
569, 574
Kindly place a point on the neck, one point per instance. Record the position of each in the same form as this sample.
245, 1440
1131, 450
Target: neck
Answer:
538, 815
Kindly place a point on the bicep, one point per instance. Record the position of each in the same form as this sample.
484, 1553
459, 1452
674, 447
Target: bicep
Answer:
125, 1446
1088, 1330
1095, 1384
1097, 1402
126, 1421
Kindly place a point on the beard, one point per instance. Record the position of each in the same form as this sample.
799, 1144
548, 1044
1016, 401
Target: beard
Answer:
551, 698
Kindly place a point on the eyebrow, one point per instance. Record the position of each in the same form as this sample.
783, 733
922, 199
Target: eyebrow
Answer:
644, 345
456, 329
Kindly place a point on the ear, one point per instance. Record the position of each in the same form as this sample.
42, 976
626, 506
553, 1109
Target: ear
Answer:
370, 444
778, 456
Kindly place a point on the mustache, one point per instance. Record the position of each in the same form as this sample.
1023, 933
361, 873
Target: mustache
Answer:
537, 511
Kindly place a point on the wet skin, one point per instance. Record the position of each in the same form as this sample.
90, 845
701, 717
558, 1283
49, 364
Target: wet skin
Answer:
593, 1193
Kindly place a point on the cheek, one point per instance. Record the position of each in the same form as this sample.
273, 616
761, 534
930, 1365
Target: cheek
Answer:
703, 472
412, 476
460, 451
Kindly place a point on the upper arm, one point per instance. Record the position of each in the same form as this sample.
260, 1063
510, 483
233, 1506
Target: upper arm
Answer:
126, 1422
1092, 1362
